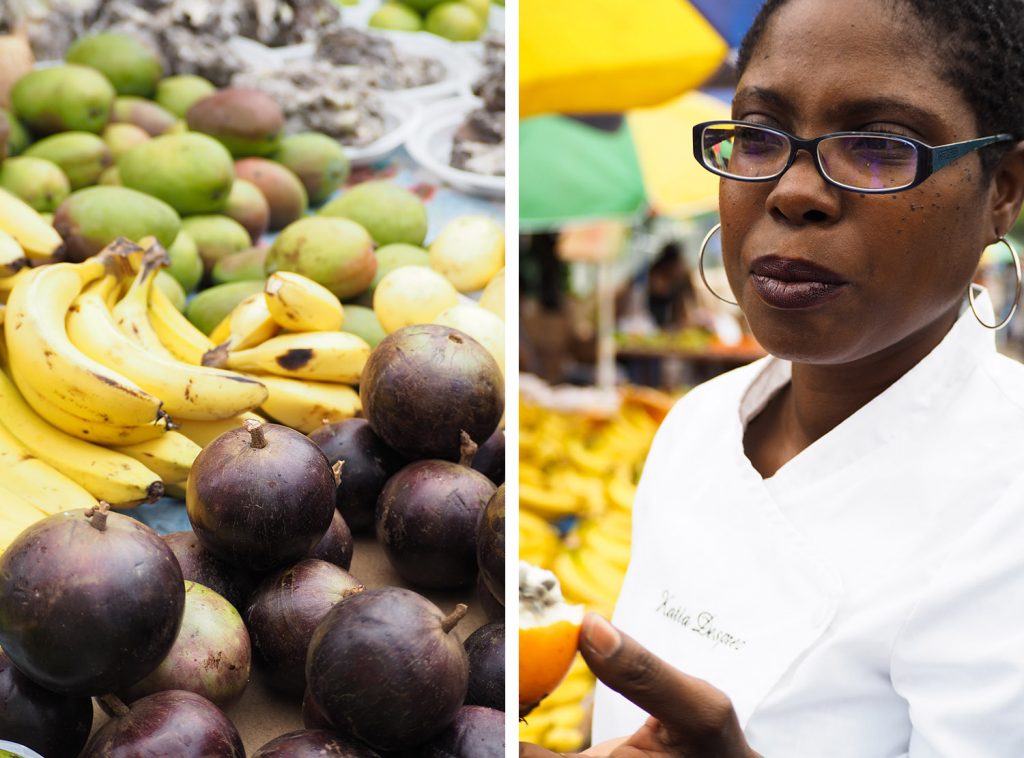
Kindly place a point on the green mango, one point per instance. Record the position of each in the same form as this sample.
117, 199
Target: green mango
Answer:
216, 237
186, 265
38, 182
191, 172
81, 156
172, 289
334, 252
388, 212
240, 266
209, 307
363, 322
63, 99
144, 114
92, 218
121, 138
247, 121
130, 65
18, 137
176, 94
318, 161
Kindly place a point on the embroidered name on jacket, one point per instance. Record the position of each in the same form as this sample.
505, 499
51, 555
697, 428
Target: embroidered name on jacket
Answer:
701, 623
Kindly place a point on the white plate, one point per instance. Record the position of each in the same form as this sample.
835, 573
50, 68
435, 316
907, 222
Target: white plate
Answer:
431, 147
402, 117
461, 67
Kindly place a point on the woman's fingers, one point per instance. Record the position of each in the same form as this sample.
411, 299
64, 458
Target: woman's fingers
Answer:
529, 750
692, 713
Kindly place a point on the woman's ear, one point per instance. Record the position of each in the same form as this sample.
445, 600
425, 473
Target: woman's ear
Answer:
1008, 190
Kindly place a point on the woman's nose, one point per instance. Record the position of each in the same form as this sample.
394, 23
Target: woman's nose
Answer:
801, 195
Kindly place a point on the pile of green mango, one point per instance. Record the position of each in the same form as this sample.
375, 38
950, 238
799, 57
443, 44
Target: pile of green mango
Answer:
110, 147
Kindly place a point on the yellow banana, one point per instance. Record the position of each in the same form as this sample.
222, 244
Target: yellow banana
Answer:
308, 405
318, 356
105, 474
16, 515
194, 392
37, 482
204, 432
37, 238
176, 332
593, 539
299, 304
12, 257
41, 354
248, 325
131, 313
579, 587
99, 432
601, 572
621, 493
7, 282
547, 503
565, 739
170, 457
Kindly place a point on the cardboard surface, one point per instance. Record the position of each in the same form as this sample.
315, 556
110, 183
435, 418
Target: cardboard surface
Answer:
261, 715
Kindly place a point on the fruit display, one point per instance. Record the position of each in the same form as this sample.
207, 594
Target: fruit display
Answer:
164, 360
578, 469
461, 21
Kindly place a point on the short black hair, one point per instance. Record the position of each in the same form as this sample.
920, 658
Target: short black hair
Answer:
981, 46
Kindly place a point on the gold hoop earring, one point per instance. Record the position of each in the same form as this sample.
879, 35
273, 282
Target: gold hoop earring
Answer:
700, 265
1016, 293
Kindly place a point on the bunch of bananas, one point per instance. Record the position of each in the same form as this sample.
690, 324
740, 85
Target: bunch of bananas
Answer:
579, 473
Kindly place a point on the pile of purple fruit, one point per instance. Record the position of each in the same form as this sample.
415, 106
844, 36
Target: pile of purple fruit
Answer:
164, 631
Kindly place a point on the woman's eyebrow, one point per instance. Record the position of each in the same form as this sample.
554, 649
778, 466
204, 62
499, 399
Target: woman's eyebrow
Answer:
886, 107
769, 96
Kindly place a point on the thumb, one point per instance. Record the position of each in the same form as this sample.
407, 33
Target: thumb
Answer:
684, 704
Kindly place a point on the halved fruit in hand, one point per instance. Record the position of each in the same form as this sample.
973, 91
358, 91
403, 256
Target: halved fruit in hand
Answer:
549, 632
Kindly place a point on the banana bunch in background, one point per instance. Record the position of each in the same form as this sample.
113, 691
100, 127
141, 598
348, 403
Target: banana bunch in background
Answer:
288, 337
562, 720
577, 481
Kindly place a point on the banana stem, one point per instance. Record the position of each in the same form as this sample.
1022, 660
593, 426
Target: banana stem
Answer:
452, 619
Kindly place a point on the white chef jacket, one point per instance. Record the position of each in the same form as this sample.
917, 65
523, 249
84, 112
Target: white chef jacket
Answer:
865, 601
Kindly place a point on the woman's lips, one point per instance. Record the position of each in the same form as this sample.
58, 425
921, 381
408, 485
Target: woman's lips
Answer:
792, 283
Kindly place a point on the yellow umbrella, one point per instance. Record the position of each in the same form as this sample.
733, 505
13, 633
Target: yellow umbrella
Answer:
663, 138
609, 56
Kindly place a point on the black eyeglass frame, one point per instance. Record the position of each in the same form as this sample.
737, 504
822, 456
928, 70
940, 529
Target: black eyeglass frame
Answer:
929, 159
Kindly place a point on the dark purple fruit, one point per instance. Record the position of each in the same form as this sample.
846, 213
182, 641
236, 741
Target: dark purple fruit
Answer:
336, 546
423, 385
476, 733
201, 566
211, 656
385, 668
490, 458
368, 464
285, 610
490, 545
486, 651
427, 520
260, 496
493, 610
90, 601
313, 716
170, 723
56, 726
314, 743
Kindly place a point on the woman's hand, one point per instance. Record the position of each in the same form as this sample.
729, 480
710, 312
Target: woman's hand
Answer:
688, 717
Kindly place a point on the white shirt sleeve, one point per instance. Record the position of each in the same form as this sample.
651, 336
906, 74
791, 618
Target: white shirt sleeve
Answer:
959, 659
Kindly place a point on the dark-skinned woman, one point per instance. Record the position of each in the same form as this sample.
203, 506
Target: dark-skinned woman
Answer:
828, 555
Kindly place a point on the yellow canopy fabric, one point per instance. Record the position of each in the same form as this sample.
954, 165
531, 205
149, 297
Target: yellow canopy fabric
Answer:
663, 138
609, 56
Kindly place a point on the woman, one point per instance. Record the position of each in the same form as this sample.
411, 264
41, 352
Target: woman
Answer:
829, 542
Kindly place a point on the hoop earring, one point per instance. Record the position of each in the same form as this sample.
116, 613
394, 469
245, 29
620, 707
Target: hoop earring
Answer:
1016, 293
703, 278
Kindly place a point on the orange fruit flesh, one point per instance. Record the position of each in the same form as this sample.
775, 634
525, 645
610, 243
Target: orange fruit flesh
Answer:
545, 655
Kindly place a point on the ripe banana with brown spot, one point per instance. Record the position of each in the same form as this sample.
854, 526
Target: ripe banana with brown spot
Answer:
299, 304
171, 456
316, 356
36, 481
194, 392
41, 355
305, 405
104, 473
248, 325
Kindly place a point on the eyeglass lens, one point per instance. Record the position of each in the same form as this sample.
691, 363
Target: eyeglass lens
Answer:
860, 161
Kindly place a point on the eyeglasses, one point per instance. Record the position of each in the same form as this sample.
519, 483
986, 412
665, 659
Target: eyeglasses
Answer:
869, 162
